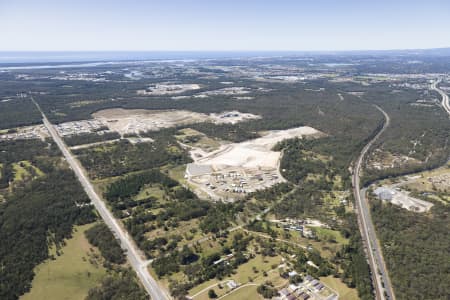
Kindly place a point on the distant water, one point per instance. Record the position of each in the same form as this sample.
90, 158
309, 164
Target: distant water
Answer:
106, 56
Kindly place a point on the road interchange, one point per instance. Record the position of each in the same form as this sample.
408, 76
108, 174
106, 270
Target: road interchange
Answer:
445, 99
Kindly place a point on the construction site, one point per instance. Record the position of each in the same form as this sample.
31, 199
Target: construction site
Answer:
134, 121
240, 168
161, 89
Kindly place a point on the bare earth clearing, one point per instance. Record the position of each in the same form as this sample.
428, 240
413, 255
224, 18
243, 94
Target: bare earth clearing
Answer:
241, 168
140, 120
161, 89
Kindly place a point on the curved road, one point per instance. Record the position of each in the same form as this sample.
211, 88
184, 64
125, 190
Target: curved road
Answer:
131, 250
380, 277
445, 101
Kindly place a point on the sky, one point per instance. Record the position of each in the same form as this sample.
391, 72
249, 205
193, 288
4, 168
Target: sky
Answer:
223, 25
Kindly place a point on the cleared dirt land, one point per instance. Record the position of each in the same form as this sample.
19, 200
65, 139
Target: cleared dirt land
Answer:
254, 153
241, 168
140, 120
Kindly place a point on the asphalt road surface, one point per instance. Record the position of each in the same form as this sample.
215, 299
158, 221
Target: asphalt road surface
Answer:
445, 101
132, 252
380, 276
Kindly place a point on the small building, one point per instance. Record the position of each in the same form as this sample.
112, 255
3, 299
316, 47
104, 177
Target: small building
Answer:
291, 297
293, 287
384, 193
232, 284
292, 273
284, 293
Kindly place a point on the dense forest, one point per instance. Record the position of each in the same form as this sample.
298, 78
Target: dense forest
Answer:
18, 113
416, 248
121, 285
417, 132
89, 138
34, 217
123, 157
39, 211
352, 259
100, 236
34, 151
130, 185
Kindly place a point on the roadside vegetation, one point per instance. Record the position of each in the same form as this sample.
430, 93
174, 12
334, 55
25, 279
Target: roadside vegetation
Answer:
89, 138
100, 236
415, 248
38, 214
43, 219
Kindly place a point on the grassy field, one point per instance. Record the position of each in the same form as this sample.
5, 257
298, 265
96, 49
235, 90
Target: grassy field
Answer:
184, 230
325, 248
20, 172
246, 292
434, 182
150, 190
326, 234
70, 275
203, 142
424, 184
243, 273
177, 173
247, 289
344, 291
23, 169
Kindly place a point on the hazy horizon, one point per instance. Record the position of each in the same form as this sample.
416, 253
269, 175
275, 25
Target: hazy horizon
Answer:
39, 57
239, 26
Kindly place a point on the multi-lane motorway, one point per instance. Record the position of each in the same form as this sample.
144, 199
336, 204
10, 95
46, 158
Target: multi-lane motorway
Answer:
380, 276
132, 252
445, 101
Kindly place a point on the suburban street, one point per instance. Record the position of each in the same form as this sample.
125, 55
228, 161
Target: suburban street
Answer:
380, 277
445, 100
132, 252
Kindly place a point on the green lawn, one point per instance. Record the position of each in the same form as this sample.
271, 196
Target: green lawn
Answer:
150, 190
325, 234
20, 172
177, 173
70, 275
243, 273
23, 169
204, 142
344, 291
247, 292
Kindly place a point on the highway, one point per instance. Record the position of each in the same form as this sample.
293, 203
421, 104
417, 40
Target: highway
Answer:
131, 250
380, 277
445, 101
